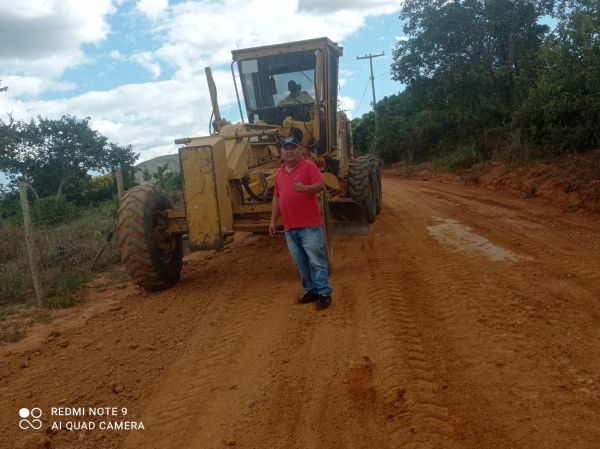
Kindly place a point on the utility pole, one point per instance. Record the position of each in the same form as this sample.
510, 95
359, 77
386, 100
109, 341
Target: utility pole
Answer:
370, 58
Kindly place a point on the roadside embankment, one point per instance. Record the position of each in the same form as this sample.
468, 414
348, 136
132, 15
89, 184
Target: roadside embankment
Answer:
571, 182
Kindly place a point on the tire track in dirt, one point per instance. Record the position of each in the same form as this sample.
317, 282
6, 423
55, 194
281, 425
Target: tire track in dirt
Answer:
320, 396
493, 309
282, 410
533, 232
425, 345
418, 419
206, 380
350, 413
561, 279
130, 344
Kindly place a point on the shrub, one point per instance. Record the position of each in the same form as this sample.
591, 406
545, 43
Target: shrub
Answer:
65, 251
65, 290
53, 211
462, 158
11, 285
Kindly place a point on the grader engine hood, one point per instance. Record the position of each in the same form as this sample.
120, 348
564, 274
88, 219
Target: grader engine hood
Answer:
207, 200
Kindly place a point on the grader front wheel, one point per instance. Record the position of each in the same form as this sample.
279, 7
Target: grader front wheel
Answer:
151, 255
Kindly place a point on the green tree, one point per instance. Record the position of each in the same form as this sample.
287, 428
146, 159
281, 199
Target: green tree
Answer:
50, 153
159, 176
475, 50
363, 132
562, 113
173, 182
146, 176
467, 64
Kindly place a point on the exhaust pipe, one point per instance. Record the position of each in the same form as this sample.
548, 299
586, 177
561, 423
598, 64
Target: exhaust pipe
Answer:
212, 90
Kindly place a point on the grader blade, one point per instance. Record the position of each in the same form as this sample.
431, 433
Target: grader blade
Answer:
349, 218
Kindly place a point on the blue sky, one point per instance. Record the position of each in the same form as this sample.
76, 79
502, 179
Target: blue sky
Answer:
136, 67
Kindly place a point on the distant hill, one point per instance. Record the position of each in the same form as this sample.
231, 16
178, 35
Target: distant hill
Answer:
152, 165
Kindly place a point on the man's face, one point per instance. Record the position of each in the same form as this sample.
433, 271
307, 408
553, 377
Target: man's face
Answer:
290, 153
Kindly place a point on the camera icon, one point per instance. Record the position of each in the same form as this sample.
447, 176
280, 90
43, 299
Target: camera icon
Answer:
30, 419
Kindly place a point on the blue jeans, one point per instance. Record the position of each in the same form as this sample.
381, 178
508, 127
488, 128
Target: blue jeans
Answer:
306, 247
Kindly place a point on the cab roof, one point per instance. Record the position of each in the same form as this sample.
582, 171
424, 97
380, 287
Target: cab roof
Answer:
288, 47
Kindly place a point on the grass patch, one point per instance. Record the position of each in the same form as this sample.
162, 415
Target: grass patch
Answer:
459, 159
66, 291
66, 249
11, 287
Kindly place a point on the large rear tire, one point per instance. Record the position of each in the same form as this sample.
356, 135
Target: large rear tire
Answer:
152, 256
361, 187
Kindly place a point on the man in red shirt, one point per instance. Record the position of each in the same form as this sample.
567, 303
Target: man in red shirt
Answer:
296, 185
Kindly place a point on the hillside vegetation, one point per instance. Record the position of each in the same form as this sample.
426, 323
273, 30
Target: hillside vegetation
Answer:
485, 79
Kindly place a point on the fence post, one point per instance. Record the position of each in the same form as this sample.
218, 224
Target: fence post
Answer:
120, 187
31, 249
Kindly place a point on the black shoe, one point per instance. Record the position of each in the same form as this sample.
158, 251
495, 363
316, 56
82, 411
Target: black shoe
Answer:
323, 301
308, 297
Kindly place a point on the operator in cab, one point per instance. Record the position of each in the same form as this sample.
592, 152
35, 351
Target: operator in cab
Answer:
296, 96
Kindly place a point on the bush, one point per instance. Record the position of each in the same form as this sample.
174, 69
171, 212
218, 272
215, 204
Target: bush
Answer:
10, 206
562, 112
173, 182
462, 158
66, 251
11, 285
91, 191
65, 290
53, 211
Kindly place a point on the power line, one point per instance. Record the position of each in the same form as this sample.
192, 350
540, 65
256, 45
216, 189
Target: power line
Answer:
361, 98
386, 73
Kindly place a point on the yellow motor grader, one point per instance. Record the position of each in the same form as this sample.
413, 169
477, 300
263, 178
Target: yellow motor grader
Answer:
228, 176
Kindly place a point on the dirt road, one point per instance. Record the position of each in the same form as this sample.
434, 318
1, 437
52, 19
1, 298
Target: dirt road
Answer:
467, 319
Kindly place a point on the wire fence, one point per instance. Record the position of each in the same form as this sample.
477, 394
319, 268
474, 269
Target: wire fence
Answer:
52, 249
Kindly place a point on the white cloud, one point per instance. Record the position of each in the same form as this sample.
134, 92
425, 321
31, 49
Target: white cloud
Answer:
370, 7
153, 9
41, 39
193, 36
32, 86
347, 105
188, 36
146, 60
32, 29
150, 116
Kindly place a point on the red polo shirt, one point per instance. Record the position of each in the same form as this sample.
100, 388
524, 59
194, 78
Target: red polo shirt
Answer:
298, 209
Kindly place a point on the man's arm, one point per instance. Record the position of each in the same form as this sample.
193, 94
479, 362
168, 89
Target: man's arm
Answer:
312, 189
315, 178
275, 214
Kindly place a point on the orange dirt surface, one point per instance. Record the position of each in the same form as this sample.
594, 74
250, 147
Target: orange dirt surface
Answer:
570, 182
466, 319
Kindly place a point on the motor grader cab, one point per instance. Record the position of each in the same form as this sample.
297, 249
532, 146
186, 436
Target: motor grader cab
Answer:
229, 176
